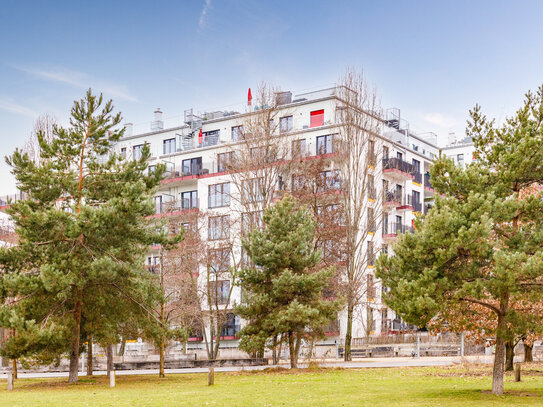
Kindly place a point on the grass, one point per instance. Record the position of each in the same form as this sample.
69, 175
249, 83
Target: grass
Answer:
465, 385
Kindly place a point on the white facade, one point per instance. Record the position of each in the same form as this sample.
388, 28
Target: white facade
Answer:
193, 168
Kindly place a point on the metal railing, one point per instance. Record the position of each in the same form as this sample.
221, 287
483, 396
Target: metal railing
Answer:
396, 228
427, 182
398, 164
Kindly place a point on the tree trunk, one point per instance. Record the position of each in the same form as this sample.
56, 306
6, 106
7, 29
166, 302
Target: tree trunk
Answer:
161, 350
14, 369
499, 357
528, 355
123, 346
89, 357
185, 347
292, 347
76, 333
109, 354
349, 332
274, 350
509, 356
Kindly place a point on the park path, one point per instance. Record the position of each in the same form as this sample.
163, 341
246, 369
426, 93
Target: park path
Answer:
356, 364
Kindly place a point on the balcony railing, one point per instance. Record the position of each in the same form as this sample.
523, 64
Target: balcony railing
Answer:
417, 177
177, 205
427, 183
398, 164
9, 199
392, 198
396, 228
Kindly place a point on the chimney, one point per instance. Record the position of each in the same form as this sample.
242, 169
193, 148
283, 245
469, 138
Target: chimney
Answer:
157, 124
451, 139
128, 129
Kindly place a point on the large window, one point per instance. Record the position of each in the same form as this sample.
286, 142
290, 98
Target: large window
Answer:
192, 166
317, 118
168, 146
325, 144
231, 326
123, 152
219, 195
220, 291
224, 161
329, 180
285, 124
219, 260
189, 200
219, 227
299, 148
299, 182
237, 132
250, 221
137, 151
252, 190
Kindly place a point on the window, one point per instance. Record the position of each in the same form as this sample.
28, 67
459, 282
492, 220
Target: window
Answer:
210, 138
298, 182
299, 148
370, 254
219, 227
385, 152
332, 212
371, 220
415, 197
329, 180
371, 152
219, 260
245, 260
219, 195
231, 326
123, 152
325, 144
250, 221
219, 291
399, 156
460, 159
224, 161
189, 200
370, 289
285, 124
316, 118
252, 190
416, 164
151, 169
168, 146
332, 250
371, 187
237, 132
137, 151
192, 166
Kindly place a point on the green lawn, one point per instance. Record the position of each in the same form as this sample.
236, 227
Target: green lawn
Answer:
444, 386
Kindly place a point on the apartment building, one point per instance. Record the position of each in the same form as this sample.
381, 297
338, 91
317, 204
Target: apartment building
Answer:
195, 153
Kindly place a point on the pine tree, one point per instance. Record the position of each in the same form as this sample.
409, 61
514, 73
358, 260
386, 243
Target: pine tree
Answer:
285, 291
480, 249
82, 234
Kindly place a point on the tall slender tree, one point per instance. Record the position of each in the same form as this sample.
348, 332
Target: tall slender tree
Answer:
83, 227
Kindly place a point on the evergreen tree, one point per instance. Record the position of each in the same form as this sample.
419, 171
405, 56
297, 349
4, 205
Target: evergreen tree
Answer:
285, 291
82, 235
480, 249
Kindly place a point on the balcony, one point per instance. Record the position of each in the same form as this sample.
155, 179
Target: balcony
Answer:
428, 188
427, 208
392, 230
173, 207
392, 199
398, 169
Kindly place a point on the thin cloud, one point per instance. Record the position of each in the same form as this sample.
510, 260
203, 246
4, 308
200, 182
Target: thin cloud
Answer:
80, 80
203, 14
12, 107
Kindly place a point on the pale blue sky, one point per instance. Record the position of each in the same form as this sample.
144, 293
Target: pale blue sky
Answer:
432, 59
